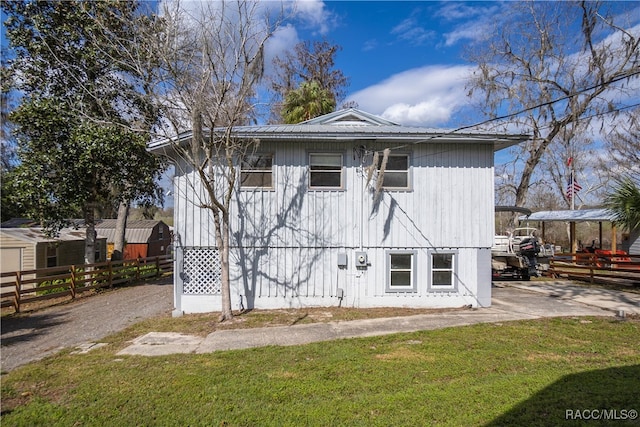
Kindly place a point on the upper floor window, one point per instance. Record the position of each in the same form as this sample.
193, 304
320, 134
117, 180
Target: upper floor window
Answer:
256, 171
325, 170
396, 172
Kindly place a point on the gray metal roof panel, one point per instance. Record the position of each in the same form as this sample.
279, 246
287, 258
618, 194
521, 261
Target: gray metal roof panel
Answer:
363, 126
138, 231
571, 216
36, 235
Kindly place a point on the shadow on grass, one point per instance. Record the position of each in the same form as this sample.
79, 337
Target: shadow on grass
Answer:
601, 397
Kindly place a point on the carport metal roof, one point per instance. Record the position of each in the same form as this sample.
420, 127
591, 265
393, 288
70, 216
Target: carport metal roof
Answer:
570, 216
573, 216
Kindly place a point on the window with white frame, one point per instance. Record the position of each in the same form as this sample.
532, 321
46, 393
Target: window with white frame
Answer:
256, 171
401, 271
325, 170
396, 171
443, 271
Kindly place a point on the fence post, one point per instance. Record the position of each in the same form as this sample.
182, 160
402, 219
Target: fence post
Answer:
592, 266
16, 297
137, 270
73, 282
157, 266
110, 274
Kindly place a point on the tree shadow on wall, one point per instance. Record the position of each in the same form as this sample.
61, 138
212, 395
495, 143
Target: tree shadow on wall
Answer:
614, 390
261, 232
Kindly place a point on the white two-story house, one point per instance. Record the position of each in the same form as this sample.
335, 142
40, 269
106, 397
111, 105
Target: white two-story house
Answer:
315, 224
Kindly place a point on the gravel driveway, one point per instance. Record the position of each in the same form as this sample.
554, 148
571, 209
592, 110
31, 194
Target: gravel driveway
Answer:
33, 336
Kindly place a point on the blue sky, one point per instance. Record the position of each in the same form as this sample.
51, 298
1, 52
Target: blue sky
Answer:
403, 58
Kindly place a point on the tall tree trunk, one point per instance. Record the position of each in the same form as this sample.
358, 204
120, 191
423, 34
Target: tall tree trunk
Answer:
222, 241
121, 228
90, 240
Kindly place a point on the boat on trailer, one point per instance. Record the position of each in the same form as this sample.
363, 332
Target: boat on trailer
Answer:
520, 253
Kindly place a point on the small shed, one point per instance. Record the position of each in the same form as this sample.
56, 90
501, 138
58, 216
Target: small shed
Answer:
143, 238
29, 248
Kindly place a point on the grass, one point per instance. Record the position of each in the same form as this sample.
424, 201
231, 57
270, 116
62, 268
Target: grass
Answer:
514, 373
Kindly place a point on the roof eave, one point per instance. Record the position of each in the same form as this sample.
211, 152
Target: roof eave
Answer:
500, 142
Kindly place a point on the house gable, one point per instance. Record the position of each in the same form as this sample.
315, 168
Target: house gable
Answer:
349, 117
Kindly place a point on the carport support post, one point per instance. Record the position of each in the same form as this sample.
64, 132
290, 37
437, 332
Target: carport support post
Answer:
614, 239
599, 234
572, 236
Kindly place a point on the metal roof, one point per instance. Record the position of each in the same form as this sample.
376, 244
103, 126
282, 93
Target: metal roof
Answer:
36, 235
571, 216
138, 231
354, 125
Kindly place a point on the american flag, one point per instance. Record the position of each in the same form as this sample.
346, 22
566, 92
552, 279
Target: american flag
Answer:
572, 187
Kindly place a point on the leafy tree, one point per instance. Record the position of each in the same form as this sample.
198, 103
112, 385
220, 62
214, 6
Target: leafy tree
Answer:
624, 201
83, 119
308, 62
308, 101
8, 155
562, 64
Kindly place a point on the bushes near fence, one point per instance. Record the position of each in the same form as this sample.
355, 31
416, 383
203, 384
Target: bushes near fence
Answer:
22, 287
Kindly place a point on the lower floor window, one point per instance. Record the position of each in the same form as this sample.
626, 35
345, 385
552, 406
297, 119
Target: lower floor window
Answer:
442, 268
400, 270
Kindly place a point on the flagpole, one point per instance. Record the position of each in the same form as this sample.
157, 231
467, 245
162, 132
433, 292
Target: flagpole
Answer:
573, 202
572, 224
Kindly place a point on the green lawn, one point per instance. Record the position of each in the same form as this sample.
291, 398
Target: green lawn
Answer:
524, 373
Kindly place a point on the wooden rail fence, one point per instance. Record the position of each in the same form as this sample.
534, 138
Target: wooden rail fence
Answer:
28, 286
597, 268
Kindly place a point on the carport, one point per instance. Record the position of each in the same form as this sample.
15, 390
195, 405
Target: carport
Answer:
572, 217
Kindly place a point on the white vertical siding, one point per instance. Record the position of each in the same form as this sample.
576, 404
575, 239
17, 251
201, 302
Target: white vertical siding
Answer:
286, 240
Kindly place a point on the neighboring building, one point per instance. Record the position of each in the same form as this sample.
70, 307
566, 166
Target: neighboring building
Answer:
29, 248
143, 237
631, 242
308, 229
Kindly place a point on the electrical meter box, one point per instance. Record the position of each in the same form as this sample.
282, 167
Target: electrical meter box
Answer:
361, 260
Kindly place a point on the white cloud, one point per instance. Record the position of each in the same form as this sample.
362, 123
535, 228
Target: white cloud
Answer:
411, 31
283, 40
314, 14
476, 23
425, 96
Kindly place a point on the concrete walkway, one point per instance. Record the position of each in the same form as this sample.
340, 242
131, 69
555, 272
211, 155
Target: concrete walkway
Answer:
511, 301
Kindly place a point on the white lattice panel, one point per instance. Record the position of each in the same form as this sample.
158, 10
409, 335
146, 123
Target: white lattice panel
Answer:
201, 272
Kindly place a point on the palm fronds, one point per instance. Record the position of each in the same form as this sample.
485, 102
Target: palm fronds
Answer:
624, 202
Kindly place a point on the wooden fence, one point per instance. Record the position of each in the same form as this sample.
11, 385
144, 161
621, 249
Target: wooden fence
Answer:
597, 268
28, 286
